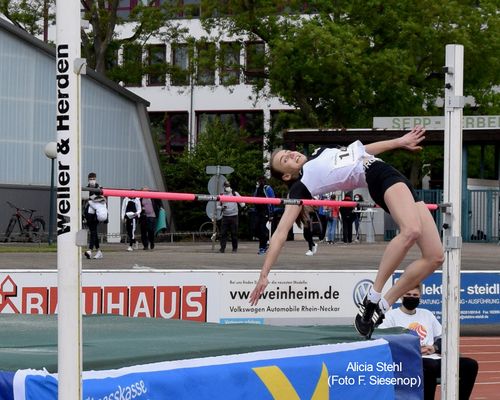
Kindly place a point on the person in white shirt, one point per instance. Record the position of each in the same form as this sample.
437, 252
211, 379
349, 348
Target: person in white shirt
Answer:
424, 323
131, 210
229, 219
355, 166
95, 211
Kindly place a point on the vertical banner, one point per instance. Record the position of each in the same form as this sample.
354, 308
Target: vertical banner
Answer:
68, 64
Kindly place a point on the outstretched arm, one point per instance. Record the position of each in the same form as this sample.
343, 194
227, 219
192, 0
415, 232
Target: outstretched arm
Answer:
409, 141
277, 241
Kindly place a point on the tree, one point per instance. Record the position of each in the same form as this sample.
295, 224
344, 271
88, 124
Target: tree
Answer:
31, 16
100, 43
218, 144
146, 20
352, 60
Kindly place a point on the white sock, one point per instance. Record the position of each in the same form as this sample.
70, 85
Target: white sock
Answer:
373, 296
384, 305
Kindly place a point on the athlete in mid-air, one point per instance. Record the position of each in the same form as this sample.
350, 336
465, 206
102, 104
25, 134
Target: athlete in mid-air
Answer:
347, 168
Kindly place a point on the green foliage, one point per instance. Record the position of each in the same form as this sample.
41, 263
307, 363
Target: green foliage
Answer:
28, 15
218, 144
353, 60
487, 169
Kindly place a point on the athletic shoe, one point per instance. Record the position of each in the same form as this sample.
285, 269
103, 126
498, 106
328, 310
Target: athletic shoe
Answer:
136, 246
129, 248
98, 254
88, 254
369, 316
262, 251
315, 248
309, 253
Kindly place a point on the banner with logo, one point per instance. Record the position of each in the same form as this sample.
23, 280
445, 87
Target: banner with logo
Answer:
176, 295
369, 369
479, 296
292, 297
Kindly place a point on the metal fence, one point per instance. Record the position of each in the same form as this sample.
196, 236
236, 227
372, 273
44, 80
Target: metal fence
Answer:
482, 211
483, 214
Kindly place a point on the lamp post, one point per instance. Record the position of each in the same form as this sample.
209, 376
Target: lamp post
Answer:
51, 152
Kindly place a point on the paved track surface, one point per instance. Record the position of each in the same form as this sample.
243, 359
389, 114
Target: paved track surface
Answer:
199, 255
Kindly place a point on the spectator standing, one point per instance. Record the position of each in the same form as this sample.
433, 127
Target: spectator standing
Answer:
429, 330
332, 216
131, 210
264, 213
150, 211
305, 220
347, 215
357, 215
95, 211
230, 218
323, 218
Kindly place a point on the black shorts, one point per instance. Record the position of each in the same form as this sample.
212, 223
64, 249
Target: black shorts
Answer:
380, 177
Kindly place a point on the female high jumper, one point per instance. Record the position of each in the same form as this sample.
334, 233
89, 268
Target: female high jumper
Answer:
348, 168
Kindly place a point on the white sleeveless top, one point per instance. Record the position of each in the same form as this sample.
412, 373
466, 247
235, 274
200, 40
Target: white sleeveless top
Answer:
329, 170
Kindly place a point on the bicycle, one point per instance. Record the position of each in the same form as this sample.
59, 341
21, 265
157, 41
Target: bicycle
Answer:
209, 228
31, 227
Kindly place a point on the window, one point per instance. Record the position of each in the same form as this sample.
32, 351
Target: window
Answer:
190, 8
183, 8
125, 7
132, 65
177, 131
250, 121
229, 56
180, 63
156, 65
253, 123
205, 72
254, 57
170, 131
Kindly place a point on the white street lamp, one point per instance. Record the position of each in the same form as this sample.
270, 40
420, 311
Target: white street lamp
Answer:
51, 152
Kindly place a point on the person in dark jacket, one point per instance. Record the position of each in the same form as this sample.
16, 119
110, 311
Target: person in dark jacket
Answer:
149, 218
264, 213
347, 216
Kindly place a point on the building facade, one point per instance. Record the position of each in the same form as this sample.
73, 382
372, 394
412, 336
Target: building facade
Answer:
115, 128
181, 104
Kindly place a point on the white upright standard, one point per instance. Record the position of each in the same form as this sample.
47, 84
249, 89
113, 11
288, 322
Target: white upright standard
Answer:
69, 263
452, 208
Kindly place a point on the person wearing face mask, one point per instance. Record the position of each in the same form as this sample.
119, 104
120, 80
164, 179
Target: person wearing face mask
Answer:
264, 213
429, 330
357, 215
131, 210
229, 219
95, 211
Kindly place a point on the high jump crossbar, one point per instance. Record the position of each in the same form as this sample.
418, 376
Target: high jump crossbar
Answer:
231, 199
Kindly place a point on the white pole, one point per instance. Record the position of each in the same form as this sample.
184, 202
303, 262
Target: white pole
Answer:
69, 261
452, 208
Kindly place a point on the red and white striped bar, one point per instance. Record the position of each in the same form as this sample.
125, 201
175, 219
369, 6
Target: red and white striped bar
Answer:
230, 199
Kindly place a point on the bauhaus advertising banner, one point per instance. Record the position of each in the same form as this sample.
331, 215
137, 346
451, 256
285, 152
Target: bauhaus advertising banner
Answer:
292, 297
